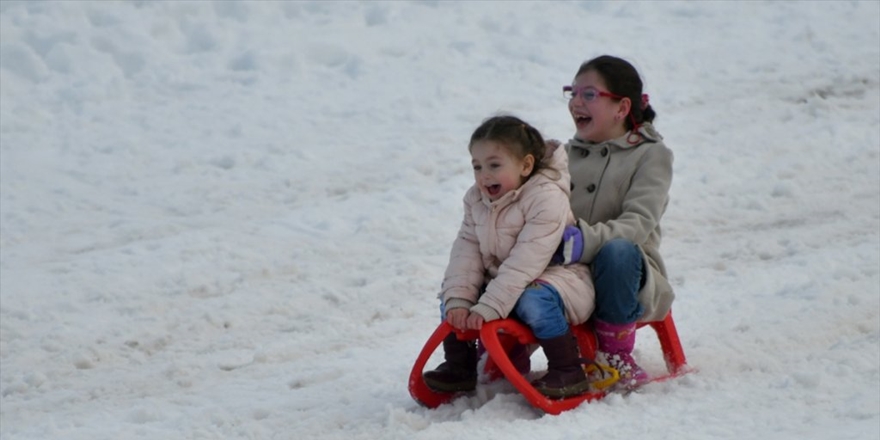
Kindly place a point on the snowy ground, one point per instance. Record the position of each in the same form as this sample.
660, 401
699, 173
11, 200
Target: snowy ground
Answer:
230, 220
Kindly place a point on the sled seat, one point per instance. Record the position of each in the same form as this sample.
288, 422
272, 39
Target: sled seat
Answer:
498, 336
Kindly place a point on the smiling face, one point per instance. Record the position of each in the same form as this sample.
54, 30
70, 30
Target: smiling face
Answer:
496, 170
601, 119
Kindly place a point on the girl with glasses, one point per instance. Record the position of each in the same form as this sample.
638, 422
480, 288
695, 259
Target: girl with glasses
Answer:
621, 172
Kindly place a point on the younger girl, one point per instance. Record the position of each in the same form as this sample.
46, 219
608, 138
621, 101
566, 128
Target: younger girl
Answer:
621, 172
514, 218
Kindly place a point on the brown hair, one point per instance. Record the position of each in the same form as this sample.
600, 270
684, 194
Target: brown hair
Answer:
622, 79
520, 138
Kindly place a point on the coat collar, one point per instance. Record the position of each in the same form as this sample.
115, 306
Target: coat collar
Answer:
646, 130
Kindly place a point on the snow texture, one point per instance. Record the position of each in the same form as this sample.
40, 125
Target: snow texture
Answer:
229, 220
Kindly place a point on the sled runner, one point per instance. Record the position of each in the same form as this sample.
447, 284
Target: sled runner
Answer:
500, 335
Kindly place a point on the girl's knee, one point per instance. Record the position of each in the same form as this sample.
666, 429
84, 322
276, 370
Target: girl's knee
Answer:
618, 249
616, 253
531, 300
536, 302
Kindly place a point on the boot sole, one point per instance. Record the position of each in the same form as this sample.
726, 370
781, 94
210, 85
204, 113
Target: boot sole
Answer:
446, 387
569, 391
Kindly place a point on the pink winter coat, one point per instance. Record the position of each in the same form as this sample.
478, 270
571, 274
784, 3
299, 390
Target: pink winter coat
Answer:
507, 244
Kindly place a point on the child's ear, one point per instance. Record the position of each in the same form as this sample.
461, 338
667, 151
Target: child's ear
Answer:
528, 165
623, 108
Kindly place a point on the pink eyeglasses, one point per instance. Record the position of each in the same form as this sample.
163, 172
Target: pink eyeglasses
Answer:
588, 93
591, 93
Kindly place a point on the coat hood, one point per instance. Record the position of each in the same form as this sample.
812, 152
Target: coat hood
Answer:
556, 167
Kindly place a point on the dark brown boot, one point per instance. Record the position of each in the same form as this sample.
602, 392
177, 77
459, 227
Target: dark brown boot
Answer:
565, 376
459, 372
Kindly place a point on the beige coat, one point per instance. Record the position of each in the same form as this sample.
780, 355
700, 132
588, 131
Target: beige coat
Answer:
621, 191
507, 244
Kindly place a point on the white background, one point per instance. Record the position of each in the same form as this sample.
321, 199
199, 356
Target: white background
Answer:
230, 220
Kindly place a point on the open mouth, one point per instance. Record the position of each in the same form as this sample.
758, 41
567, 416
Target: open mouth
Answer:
493, 190
580, 120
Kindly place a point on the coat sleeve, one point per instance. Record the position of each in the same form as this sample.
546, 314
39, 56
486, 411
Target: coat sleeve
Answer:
545, 214
643, 204
465, 272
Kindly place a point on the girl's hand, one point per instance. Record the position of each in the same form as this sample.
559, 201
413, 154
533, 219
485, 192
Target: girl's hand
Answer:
475, 321
457, 318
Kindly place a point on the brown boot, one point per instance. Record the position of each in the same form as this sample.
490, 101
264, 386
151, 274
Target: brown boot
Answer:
565, 376
459, 372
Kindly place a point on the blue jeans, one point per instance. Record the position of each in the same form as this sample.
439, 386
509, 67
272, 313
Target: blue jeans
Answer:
541, 308
618, 275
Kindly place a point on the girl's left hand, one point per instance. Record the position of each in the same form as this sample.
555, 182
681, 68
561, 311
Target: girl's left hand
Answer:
474, 321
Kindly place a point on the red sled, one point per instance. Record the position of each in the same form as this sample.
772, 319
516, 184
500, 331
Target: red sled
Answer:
498, 336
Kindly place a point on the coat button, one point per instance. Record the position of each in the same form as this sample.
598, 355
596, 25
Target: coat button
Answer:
604, 151
585, 153
591, 188
571, 188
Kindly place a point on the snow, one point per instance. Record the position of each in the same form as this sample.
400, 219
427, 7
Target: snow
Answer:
230, 220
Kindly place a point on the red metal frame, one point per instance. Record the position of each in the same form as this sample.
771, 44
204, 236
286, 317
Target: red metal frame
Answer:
500, 335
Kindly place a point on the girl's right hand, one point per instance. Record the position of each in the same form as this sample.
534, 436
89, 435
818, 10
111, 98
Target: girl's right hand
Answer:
457, 318
475, 321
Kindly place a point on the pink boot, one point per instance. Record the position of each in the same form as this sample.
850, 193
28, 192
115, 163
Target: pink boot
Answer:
616, 343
